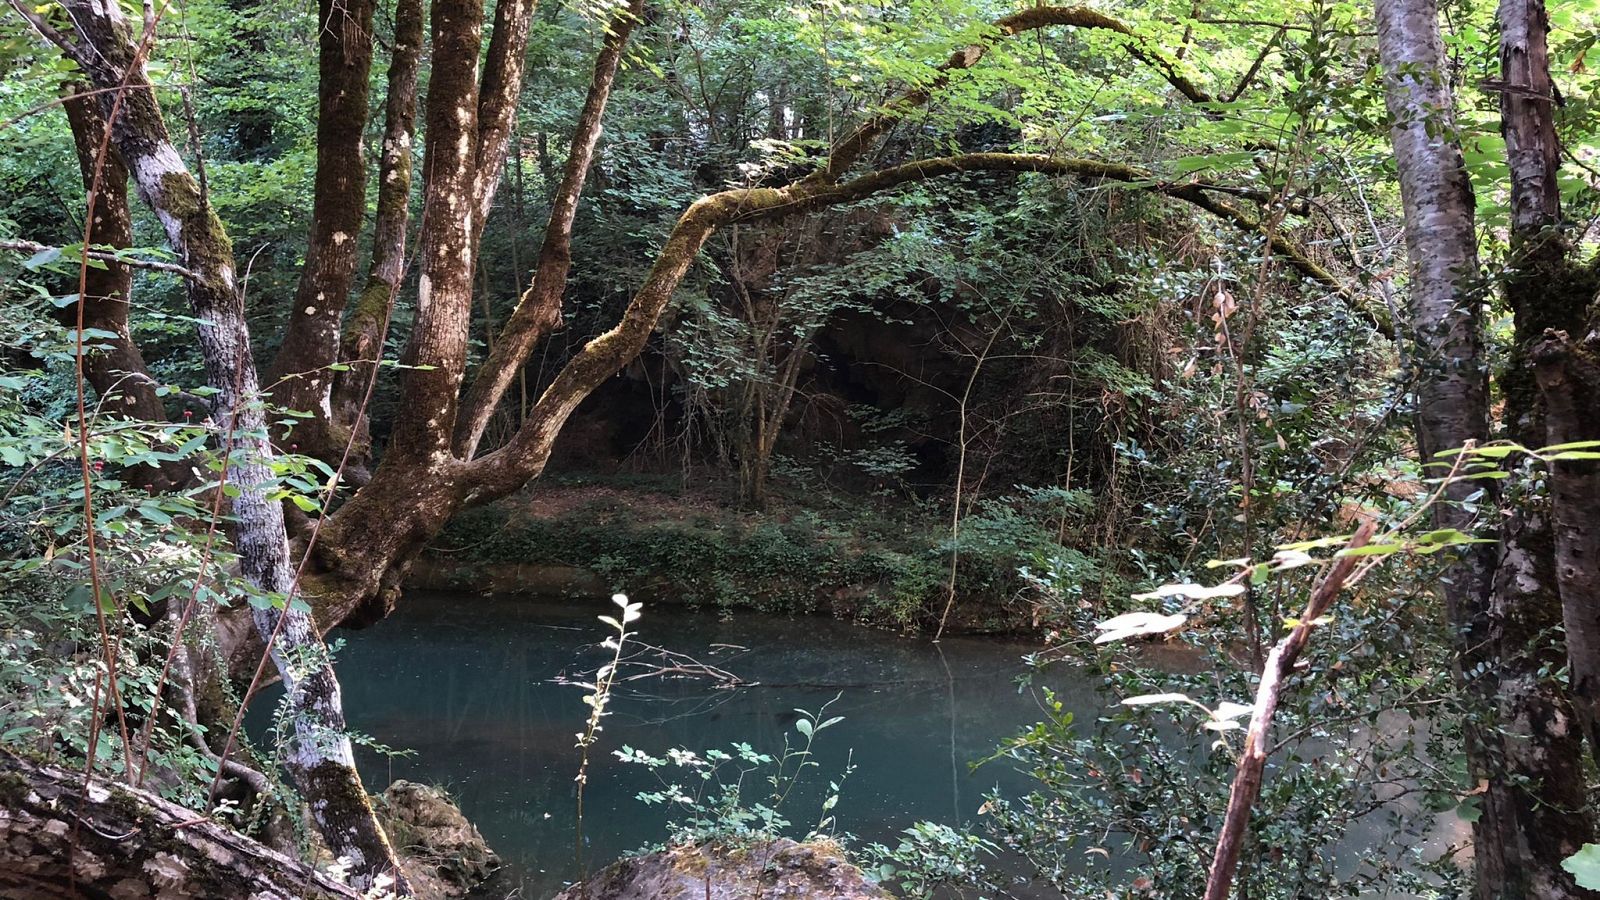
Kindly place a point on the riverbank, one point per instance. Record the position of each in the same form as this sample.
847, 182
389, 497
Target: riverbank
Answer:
869, 560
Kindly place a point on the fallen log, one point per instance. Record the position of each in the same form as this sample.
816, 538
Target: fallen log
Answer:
58, 840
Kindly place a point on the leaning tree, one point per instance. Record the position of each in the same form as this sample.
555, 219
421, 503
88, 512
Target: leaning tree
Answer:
348, 564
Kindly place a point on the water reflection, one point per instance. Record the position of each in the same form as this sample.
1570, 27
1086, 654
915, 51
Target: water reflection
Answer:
465, 683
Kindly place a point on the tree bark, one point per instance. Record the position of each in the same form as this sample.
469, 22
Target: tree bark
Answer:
301, 378
1534, 802
60, 840
1569, 380
320, 756
497, 101
438, 343
1551, 377
1527, 101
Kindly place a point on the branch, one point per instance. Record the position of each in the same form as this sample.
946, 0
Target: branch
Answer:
49, 33
523, 458
538, 311
1255, 67
1253, 759
1195, 193
103, 256
498, 91
849, 149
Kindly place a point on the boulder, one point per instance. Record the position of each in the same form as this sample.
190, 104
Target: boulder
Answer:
773, 870
443, 854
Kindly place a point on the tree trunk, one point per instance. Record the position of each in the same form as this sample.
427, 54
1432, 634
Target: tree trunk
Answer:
320, 756
117, 371
361, 347
538, 311
1535, 802
60, 840
1498, 606
1569, 380
302, 379
1554, 378
437, 349
497, 102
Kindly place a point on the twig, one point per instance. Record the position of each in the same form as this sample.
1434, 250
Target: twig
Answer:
49, 33
1253, 759
103, 256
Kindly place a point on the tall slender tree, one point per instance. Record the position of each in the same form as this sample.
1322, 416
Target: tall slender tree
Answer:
1501, 598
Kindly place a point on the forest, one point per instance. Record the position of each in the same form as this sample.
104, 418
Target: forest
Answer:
623, 449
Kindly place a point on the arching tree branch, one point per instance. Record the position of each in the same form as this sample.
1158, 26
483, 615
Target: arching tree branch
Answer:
505, 470
539, 310
848, 150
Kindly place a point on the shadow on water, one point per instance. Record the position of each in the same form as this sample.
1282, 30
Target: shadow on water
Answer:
465, 682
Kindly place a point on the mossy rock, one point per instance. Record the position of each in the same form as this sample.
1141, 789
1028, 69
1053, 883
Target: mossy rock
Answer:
816, 870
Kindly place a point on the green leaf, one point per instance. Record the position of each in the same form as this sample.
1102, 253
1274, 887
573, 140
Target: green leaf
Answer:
155, 514
1573, 445
1585, 866
1495, 451
42, 258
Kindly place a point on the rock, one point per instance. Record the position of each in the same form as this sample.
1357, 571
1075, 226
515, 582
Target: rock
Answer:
443, 853
777, 870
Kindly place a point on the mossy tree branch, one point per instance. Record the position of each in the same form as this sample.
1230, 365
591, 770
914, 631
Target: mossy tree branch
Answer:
539, 310
523, 458
848, 150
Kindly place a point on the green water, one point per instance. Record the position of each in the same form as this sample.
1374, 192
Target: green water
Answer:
466, 683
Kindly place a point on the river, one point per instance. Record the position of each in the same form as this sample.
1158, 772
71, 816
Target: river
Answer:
465, 683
